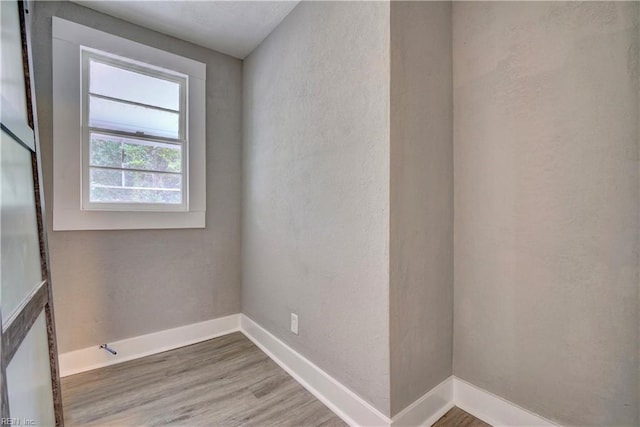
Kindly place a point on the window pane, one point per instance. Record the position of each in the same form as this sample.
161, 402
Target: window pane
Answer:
125, 195
122, 186
120, 116
105, 151
117, 82
107, 178
131, 153
11, 68
152, 180
124, 178
29, 379
20, 270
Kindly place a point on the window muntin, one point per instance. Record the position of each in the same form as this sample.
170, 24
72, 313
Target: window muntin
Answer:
134, 136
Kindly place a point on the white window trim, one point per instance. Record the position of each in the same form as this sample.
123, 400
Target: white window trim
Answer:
68, 40
87, 55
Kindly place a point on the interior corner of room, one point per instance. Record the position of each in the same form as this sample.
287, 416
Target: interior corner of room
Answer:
372, 213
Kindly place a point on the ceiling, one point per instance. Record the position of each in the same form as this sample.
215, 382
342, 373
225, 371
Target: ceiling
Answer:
231, 27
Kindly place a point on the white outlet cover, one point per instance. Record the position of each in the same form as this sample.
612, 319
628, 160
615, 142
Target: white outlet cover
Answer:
294, 323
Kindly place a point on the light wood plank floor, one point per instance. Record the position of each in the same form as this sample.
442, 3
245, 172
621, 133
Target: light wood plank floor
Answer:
227, 381
456, 417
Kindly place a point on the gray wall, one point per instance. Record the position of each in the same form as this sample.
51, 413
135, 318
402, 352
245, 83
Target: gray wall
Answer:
546, 206
421, 261
110, 285
316, 189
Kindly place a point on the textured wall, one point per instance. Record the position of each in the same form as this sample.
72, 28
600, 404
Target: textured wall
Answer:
110, 285
421, 247
316, 189
546, 206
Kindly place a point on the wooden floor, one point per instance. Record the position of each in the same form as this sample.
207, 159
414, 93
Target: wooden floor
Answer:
227, 381
456, 417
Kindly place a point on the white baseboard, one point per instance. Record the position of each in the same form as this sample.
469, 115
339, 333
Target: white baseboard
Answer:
423, 412
342, 401
93, 357
427, 409
354, 410
493, 409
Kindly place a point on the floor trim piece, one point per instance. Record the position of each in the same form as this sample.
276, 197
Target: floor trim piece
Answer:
423, 412
493, 409
343, 402
429, 408
93, 357
354, 410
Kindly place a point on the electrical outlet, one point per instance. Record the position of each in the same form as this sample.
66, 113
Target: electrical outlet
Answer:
294, 323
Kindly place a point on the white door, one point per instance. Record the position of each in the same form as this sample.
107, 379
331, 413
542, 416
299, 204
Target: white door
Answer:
29, 379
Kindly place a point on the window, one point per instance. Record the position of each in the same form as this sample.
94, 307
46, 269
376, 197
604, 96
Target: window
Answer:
129, 133
134, 136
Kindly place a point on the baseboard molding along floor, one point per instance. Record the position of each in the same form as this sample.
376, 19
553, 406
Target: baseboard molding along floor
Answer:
353, 409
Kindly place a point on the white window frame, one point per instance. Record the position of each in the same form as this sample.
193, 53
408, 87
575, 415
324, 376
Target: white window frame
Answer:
87, 55
71, 207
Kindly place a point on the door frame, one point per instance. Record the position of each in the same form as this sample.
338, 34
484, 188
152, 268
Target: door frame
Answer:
41, 298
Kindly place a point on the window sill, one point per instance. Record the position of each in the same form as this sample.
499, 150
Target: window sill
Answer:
67, 220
